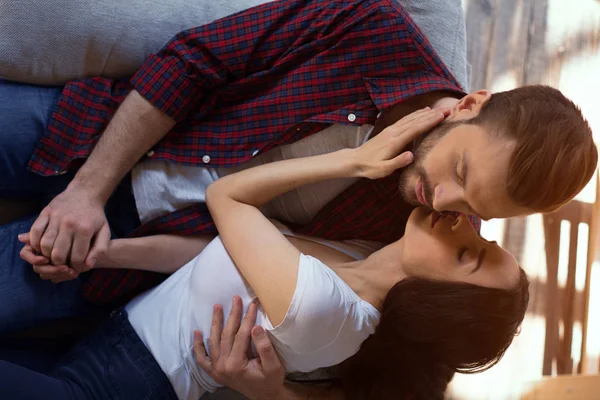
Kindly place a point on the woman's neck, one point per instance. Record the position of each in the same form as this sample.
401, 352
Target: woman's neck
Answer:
372, 278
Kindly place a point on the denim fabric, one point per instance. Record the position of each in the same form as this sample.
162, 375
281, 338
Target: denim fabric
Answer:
112, 363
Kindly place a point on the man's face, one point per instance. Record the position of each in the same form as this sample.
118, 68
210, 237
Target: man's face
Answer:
461, 167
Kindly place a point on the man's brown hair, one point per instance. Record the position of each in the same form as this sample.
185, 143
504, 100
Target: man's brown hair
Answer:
555, 155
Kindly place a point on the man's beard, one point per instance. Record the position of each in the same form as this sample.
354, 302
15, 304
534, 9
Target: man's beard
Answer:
421, 149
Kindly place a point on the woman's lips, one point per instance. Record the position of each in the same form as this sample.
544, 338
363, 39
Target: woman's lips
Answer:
435, 217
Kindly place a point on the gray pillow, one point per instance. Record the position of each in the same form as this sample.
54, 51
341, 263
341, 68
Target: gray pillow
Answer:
53, 41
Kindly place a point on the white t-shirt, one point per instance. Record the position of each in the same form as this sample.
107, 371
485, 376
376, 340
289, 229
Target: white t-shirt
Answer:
325, 324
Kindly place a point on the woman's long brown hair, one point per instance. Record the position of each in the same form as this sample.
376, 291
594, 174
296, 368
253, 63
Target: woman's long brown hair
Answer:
428, 331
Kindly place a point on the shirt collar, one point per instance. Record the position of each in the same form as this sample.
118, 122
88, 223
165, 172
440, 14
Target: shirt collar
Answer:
386, 92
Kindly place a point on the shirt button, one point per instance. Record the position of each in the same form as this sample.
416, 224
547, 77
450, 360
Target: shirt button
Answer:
206, 159
351, 117
150, 153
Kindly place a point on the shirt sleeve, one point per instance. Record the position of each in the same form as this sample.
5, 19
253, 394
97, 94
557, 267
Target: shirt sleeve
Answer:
323, 308
195, 62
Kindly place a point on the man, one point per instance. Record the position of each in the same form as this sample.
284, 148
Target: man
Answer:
218, 97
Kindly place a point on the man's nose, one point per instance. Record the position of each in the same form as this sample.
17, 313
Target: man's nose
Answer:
448, 197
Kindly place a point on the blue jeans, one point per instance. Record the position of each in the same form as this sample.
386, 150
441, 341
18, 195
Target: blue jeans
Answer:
25, 299
111, 363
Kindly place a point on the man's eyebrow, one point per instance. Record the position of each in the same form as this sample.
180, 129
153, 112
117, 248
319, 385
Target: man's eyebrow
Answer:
480, 259
465, 170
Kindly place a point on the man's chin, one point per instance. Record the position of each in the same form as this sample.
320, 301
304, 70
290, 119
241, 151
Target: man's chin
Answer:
409, 196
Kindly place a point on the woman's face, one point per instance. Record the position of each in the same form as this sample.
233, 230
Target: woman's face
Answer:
448, 248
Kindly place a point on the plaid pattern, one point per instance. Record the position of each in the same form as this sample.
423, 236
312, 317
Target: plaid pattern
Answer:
267, 76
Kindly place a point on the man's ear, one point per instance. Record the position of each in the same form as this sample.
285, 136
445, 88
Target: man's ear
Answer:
469, 106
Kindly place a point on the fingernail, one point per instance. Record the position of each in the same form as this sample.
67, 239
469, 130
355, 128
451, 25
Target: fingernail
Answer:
409, 157
427, 108
21, 235
197, 335
259, 332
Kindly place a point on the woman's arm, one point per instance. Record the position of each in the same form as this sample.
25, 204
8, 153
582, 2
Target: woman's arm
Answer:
266, 259
159, 253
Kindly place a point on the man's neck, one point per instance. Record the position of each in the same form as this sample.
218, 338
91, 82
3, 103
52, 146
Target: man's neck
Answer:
398, 111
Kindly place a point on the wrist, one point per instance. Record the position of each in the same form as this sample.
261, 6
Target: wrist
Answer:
354, 164
89, 188
111, 257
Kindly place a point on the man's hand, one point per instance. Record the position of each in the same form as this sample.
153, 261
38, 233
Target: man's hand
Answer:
383, 154
259, 378
71, 230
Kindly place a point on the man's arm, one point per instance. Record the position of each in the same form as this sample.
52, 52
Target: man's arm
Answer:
76, 217
261, 378
170, 85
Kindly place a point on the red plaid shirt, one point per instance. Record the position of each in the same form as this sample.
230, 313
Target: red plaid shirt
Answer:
257, 79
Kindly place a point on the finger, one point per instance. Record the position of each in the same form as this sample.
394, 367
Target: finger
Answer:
62, 247
37, 230
28, 254
79, 252
216, 328
266, 352
55, 273
24, 238
417, 128
67, 276
48, 239
242, 339
404, 124
100, 246
414, 115
202, 358
231, 326
400, 161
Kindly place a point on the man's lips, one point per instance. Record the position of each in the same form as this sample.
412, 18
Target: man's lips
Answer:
420, 193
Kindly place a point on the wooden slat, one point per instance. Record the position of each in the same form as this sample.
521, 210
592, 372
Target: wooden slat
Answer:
565, 359
552, 238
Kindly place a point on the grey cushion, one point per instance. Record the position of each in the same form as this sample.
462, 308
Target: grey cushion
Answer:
53, 41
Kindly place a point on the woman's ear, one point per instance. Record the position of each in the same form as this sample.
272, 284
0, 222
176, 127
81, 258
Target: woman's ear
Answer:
469, 106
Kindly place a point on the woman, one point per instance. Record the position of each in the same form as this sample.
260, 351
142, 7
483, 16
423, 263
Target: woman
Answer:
318, 300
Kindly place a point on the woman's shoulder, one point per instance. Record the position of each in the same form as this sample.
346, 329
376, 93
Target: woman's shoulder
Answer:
326, 321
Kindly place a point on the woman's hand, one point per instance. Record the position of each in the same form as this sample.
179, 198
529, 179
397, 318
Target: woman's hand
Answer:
382, 155
228, 364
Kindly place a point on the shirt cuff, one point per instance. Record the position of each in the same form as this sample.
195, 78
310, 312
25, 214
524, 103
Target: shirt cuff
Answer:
164, 83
